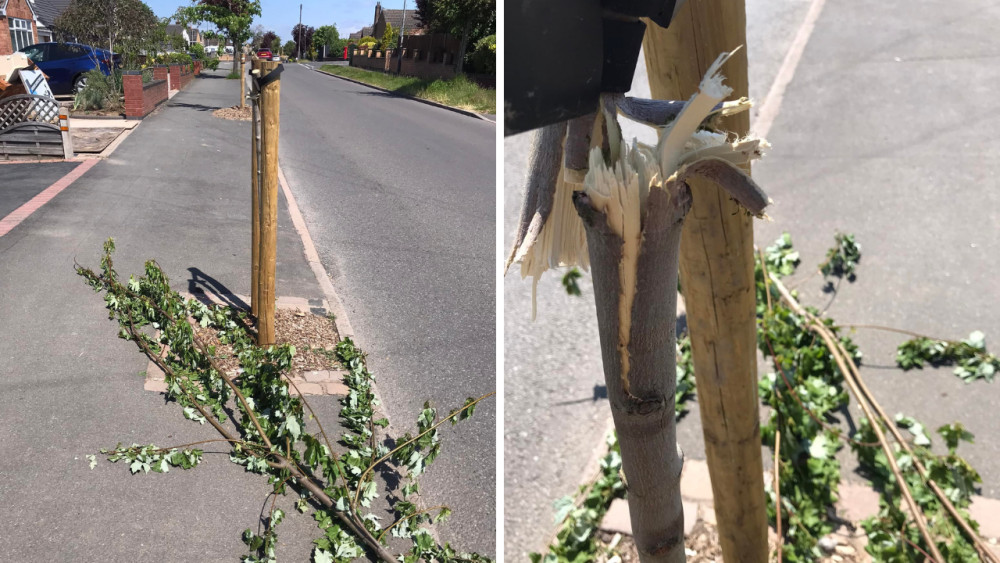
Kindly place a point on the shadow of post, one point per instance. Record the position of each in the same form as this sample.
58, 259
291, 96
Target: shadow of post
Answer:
202, 285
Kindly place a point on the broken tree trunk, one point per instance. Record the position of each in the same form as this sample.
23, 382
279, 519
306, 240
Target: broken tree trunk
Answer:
632, 200
641, 397
716, 270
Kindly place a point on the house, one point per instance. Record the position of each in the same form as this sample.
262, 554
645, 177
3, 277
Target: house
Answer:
405, 19
48, 11
190, 34
365, 32
18, 25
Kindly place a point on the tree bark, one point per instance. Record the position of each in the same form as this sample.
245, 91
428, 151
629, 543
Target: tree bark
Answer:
642, 399
462, 46
716, 270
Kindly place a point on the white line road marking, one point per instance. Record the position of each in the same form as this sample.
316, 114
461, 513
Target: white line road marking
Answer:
772, 102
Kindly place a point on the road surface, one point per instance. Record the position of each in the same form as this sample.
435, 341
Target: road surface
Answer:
400, 199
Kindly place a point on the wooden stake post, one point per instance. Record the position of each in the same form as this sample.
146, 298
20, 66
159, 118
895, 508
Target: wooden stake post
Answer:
243, 78
269, 97
255, 170
716, 270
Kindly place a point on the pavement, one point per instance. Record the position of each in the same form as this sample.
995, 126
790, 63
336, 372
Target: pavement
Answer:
23, 181
400, 200
877, 136
175, 191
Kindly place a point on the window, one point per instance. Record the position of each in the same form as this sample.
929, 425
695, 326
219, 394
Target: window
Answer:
20, 33
37, 53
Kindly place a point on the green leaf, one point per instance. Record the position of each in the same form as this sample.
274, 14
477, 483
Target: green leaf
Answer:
570, 279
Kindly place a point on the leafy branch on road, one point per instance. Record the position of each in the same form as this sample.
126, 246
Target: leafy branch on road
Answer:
268, 433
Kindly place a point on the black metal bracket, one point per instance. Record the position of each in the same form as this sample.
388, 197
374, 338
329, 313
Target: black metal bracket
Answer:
269, 77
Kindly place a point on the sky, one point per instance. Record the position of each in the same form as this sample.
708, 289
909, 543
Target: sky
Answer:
281, 16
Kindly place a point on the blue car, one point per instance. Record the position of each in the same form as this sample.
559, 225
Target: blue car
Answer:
66, 63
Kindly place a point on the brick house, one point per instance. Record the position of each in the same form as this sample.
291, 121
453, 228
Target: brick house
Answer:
18, 25
395, 17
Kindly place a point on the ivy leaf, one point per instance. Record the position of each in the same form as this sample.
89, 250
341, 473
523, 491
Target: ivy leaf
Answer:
290, 426
322, 556
915, 428
563, 507
368, 492
569, 281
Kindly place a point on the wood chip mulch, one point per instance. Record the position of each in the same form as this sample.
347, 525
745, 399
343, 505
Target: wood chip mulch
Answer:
314, 337
235, 113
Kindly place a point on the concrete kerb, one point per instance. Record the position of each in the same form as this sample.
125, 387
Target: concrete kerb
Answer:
319, 382
421, 100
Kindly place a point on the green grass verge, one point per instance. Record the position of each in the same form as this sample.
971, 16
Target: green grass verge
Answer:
458, 92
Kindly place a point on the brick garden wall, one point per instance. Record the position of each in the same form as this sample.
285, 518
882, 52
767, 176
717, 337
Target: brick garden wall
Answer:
413, 63
141, 99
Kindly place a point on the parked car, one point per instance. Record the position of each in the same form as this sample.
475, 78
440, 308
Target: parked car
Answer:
66, 64
264, 54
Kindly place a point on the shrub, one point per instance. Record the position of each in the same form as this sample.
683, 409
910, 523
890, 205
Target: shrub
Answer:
367, 42
178, 58
388, 38
101, 92
212, 63
484, 55
199, 51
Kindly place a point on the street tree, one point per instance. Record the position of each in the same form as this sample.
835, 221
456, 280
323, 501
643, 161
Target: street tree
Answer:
233, 19
275, 45
210, 36
257, 36
289, 49
469, 20
123, 26
302, 35
326, 36
267, 39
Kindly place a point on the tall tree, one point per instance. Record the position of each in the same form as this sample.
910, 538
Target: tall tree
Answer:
267, 39
122, 26
326, 36
470, 20
233, 19
257, 36
303, 37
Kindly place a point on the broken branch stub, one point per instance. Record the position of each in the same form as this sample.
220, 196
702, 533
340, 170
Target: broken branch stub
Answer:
640, 392
627, 224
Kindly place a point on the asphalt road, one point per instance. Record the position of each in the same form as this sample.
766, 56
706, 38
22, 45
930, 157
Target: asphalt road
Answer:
400, 199
882, 133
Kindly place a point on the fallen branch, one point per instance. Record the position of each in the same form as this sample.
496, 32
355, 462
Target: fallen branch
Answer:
849, 376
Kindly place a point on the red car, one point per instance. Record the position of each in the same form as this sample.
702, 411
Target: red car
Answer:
264, 54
